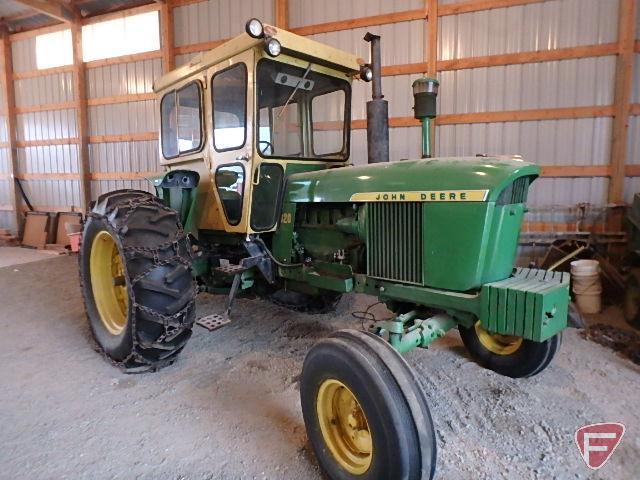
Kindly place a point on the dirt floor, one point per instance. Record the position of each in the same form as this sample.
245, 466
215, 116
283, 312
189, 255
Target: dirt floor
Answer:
229, 408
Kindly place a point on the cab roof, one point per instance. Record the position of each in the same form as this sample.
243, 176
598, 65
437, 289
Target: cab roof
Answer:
292, 44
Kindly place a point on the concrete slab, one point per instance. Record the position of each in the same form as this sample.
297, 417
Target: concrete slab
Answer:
18, 255
229, 408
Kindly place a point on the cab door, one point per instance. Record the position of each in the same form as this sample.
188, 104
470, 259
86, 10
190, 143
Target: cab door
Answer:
231, 141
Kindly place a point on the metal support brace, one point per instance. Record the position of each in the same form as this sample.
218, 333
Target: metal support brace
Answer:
232, 293
421, 333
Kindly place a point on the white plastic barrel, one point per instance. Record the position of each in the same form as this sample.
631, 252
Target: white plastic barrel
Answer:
587, 289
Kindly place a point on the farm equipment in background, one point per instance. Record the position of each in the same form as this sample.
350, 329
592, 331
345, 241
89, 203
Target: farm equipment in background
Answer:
632, 286
258, 195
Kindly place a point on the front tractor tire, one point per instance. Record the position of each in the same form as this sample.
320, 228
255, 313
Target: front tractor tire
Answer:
135, 271
508, 355
365, 413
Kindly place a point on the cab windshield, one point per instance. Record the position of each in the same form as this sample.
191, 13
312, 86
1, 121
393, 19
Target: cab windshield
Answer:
301, 113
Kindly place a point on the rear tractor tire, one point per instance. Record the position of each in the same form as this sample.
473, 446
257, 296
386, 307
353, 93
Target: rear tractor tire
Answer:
508, 355
365, 413
135, 271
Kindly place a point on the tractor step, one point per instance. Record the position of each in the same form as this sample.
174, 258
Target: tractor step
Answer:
231, 269
213, 322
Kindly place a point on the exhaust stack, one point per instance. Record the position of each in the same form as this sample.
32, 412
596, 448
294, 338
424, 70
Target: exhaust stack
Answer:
377, 108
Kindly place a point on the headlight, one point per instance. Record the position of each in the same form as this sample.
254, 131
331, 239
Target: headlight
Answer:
273, 47
366, 73
254, 28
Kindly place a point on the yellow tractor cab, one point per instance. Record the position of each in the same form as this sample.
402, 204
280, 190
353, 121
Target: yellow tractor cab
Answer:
246, 112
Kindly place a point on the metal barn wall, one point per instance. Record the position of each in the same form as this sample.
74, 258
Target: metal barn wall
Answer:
131, 118
57, 126
6, 215
566, 83
216, 20
402, 42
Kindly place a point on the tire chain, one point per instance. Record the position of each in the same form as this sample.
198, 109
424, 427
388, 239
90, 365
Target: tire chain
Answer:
173, 324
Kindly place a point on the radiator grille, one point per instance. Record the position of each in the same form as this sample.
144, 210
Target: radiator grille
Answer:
516, 192
394, 241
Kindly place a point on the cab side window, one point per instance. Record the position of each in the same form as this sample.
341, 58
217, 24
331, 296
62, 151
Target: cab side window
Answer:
229, 97
181, 120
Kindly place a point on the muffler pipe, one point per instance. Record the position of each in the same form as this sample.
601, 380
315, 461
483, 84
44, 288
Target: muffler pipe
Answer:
377, 108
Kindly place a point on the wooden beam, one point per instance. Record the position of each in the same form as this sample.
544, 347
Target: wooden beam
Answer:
121, 175
42, 72
632, 170
478, 5
564, 171
167, 43
499, 117
370, 21
199, 47
82, 116
6, 79
49, 176
132, 97
134, 57
529, 57
51, 8
126, 137
129, 12
47, 142
634, 109
504, 59
622, 98
16, 37
45, 107
526, 115
282, 14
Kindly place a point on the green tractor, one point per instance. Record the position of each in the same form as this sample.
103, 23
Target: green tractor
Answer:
258, 195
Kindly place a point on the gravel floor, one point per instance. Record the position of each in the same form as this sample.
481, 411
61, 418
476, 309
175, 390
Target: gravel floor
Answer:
229, 408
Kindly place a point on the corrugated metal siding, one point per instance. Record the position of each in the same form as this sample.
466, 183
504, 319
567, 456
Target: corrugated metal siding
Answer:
217, 19
539, 26
47, 125
568, 83
307, 12
6, 217
56, 88
123, 118
123, 78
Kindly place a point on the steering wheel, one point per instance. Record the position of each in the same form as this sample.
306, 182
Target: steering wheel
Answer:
269, 145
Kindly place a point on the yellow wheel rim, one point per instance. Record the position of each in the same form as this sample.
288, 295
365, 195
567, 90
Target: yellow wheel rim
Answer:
108, 282
496, 343
344, 427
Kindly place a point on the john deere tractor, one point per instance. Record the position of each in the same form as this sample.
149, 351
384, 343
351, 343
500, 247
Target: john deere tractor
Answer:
257, 194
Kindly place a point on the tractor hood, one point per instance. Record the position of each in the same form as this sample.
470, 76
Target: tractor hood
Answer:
435, 179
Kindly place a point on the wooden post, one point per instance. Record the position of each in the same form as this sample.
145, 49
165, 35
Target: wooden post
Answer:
622, 105
282, 14
10, 112
167, 43
80, 88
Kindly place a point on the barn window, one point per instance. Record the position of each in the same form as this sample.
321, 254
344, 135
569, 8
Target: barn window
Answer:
54, 49
122, 36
